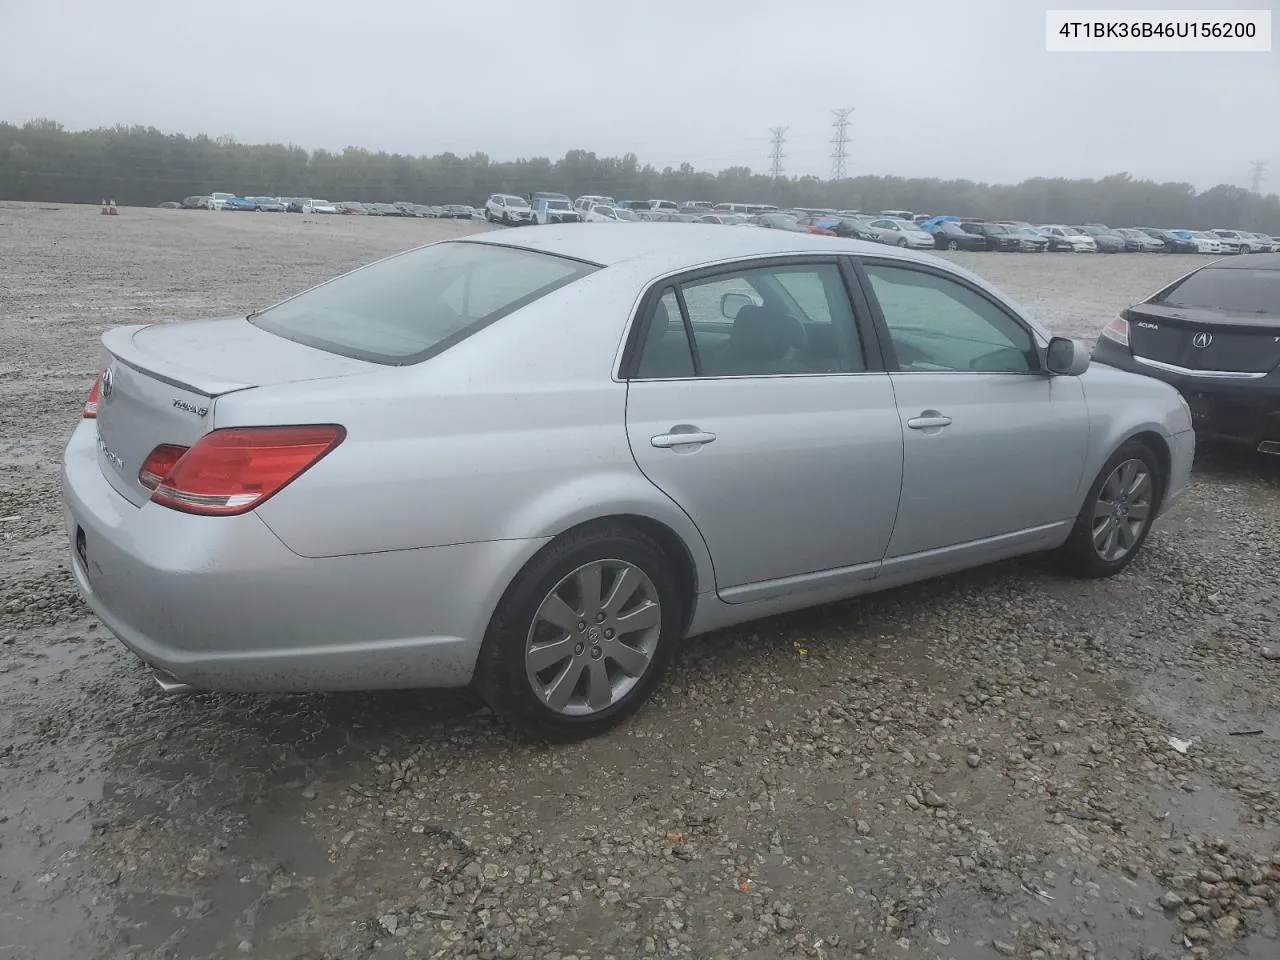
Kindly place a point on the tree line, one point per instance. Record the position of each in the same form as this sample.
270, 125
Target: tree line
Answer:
41, 160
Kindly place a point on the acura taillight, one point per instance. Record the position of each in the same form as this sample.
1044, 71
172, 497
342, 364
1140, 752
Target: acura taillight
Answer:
1117, 331
91, 405
235, 469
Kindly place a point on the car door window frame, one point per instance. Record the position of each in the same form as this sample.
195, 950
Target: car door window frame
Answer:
864, 327
883, 334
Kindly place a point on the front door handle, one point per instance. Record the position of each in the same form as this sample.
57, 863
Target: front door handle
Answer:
928, 419
681, 439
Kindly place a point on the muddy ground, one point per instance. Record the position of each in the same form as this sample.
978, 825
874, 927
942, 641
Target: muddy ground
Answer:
972, 768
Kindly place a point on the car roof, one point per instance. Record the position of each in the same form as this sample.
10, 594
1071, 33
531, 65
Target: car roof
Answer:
1254, 261
667, 244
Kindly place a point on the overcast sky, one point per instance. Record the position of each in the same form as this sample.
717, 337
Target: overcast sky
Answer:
940, 88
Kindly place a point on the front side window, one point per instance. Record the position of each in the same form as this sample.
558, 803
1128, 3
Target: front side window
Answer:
757, 322
939, 325
405, 308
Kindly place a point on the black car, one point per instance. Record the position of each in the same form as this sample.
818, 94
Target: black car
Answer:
777, 221
1215, 336
840, 226
1172, 242
996, 236
948, 235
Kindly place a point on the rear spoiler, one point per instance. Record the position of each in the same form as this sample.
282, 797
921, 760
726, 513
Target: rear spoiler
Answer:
120, 344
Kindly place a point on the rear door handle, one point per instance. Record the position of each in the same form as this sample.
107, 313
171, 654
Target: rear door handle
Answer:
692, 438
927, 419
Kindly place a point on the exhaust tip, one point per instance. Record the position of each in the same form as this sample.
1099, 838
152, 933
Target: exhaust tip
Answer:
168, 683
1270, 446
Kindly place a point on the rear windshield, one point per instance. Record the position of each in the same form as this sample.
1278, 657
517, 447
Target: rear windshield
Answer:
414, 305
1228, 290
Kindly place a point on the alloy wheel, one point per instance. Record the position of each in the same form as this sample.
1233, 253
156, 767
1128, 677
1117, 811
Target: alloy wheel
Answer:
593, 637
1122, 510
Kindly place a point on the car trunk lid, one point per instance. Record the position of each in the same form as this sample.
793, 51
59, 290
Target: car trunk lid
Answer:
1204, 340
162, 381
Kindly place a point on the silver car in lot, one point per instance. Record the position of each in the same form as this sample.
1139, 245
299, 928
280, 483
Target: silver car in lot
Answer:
535, 461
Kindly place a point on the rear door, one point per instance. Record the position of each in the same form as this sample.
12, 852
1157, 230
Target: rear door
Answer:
758, 405
993, 447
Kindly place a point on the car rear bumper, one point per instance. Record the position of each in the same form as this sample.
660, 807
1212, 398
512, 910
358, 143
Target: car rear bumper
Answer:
1233, 411
221, 603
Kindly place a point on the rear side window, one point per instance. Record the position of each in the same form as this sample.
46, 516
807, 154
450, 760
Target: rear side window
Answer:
412, 306
1226, 289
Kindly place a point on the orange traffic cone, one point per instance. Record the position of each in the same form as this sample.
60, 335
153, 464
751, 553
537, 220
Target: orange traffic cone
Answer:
105, 211
114, 211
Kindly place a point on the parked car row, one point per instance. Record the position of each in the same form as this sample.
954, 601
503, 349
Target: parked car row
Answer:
401, 208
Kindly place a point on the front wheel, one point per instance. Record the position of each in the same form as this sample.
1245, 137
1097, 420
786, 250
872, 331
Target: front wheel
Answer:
583, 635
902, 242
1117, 514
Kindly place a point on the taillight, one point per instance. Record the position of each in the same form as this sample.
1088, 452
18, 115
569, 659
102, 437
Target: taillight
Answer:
159, 463
233, 470
91, 405
1117, 331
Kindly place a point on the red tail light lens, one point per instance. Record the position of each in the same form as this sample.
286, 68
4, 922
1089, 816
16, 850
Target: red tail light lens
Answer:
233, 470
159, 464
1117, 331
91, 405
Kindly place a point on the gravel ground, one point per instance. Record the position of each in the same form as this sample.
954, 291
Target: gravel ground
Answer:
976, 767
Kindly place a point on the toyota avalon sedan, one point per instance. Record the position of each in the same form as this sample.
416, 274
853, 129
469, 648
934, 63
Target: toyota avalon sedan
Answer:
534, 462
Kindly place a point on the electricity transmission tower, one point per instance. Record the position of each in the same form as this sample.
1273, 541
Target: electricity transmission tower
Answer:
779, 135
841, 142
1256, 171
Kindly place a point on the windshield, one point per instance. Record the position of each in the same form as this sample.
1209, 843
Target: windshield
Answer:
511, 202
557, 204
995, 228
604, 211
413, 305
1227, 290
626, 215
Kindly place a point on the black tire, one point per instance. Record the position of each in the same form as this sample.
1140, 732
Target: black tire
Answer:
952, 245
1078, 555
902, 242
506, 218
501, 679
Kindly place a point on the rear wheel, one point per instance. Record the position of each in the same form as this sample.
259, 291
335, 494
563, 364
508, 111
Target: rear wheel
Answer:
583, 635
952, 245
902, 242
1117, 514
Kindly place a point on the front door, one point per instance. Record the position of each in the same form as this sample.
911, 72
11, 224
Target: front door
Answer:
993, 446
754, 407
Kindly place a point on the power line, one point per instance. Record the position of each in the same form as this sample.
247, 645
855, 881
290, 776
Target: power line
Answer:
1257, 170
841, 140
778, 137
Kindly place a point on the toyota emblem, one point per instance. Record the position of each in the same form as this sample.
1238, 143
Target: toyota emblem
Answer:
105, 385
1202, 340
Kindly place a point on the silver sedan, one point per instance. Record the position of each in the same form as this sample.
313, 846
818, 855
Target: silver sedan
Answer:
534, 462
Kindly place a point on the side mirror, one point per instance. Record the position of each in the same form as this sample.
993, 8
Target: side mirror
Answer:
731, 303
1066, 357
